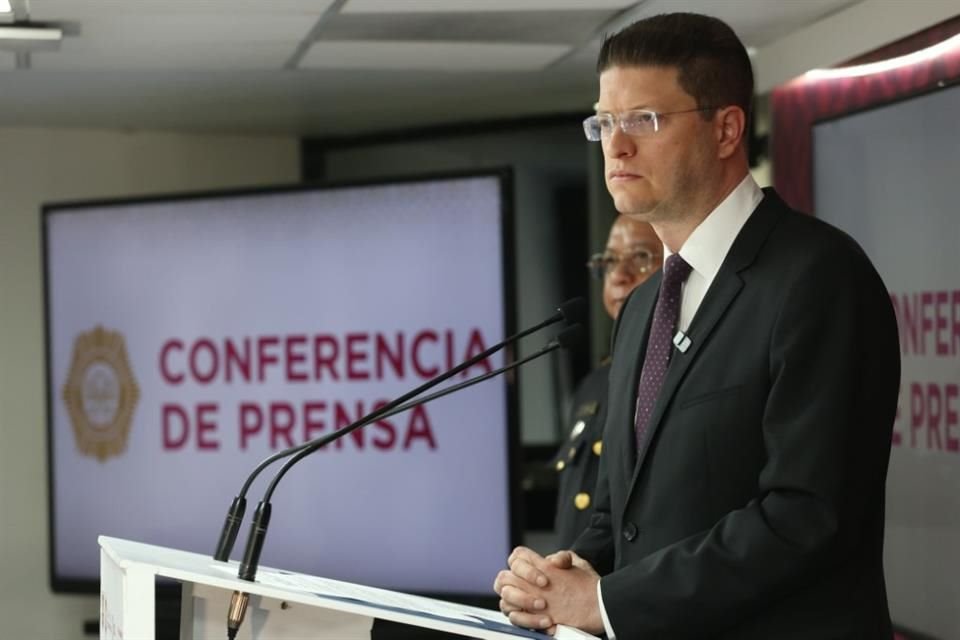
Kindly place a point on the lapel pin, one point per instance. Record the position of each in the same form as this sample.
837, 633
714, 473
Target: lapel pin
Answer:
681, 341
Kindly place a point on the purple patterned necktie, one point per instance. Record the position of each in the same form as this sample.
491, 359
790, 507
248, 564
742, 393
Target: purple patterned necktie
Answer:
659, 345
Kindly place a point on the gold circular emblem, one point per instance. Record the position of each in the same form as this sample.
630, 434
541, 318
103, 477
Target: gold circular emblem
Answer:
560, 465
597, 447
581, 501
100, 393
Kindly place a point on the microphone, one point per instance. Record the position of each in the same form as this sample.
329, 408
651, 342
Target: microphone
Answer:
572, 311
564, 340
261, 520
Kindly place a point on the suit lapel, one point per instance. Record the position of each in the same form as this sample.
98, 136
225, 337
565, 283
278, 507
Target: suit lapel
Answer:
631, 342
721, 294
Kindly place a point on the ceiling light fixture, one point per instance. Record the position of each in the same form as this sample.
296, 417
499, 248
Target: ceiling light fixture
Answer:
916, 57
32, 33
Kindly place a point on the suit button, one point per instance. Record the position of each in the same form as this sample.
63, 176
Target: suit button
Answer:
630, 531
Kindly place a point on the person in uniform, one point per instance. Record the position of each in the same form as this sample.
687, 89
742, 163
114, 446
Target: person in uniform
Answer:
632, 255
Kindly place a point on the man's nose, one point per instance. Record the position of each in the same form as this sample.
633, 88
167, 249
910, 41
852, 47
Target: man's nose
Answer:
618, 144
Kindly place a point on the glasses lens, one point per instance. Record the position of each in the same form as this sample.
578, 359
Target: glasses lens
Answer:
597, 266
639, 262
591, 128
639, 123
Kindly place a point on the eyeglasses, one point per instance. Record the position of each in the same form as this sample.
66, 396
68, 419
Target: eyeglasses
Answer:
633, 123
635, 263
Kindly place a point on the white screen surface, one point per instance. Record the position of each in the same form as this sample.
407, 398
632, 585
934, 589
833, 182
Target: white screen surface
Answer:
270, 319
889, 177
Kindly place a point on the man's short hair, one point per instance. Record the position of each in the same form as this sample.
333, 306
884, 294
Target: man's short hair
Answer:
712, 63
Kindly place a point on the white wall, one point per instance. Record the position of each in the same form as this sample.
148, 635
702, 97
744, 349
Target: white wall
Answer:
37, 166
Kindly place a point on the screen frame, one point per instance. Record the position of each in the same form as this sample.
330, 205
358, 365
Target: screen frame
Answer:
941, 86
504, 176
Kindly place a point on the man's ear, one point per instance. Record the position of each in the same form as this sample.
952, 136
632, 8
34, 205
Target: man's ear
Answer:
730, 127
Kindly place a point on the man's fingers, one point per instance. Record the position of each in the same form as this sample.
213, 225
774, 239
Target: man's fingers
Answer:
520, 599
507, 608
526, 571
527, 564
562, 559
504, 577
580, 563
531, 620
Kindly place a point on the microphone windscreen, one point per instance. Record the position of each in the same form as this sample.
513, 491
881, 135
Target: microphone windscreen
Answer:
569, 336
574, 310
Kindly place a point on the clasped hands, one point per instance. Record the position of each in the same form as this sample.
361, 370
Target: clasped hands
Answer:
541, 592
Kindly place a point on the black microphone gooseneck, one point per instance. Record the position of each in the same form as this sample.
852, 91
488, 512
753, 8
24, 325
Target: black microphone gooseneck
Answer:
573, 311
564, 339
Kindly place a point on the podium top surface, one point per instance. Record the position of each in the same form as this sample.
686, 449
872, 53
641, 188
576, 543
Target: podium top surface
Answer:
321, 592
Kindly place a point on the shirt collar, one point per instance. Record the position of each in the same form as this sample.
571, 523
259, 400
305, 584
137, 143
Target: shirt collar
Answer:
709, 243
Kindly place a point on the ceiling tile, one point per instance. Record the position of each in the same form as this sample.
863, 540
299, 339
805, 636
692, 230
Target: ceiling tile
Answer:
444, 6
74, 9
157, 56
183, 30
439, 56
546, 27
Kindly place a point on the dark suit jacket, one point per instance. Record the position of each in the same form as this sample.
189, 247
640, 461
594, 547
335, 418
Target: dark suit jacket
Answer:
756, 508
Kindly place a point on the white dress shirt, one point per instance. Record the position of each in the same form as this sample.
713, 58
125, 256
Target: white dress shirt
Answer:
705, 250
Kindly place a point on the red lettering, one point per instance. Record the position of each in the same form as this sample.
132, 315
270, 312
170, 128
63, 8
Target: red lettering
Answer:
908, 326
355, 356
395, 357
266, 357
448, 337
206, 427
281, 424
294, 356
168, 346
419, 428
955, 312
251, 422
943, 347
204, 344
950, 394
934, 413
916, 411
311, 424
926, 321
423, 336
240, 360
325, 353
174, 436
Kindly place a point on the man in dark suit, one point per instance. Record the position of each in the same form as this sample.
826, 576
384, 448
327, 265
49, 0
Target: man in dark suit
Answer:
753, 387
633, 254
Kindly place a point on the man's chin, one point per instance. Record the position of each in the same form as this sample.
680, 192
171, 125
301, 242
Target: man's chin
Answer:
636, 208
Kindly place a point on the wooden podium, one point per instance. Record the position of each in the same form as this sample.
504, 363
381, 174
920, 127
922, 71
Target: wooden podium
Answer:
283, 604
